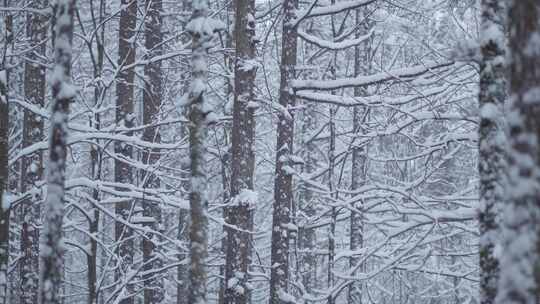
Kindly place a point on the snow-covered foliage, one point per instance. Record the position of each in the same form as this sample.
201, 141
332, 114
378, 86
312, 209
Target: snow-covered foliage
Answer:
361, 163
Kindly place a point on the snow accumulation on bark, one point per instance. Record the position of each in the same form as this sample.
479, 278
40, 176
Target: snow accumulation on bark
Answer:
52, 247
492, 154
520, 263
202, 29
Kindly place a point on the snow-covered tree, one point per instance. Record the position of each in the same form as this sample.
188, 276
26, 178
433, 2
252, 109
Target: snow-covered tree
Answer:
63, 92
492, 143
519, 278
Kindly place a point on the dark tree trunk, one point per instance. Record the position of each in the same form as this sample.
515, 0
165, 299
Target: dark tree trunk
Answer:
4, 207
32, 165
153, 292
491, 140
307, 238
520, 264
96, 164
63, 94
182, 288
242, 196
359, 154
125, 119
4, 174
283, 181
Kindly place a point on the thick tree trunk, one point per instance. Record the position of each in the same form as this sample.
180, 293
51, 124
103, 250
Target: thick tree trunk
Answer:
200, 28
125, 119
520, 263
153, 292
491, 143
63, 94
242, 197
32, 166
283, 180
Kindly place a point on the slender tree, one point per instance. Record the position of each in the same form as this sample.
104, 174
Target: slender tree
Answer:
125, 117
182, 287
491, 142
63, 94
32, 165
4, 144
96, 153
242, 197
283, 181
153, 292
359, 153
4, 205
520, 263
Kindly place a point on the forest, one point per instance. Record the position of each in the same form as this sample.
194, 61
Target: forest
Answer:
270, 151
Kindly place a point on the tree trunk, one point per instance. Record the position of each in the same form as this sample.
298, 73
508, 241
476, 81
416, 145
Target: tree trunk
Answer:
491, 140
283, 180
4, 169
182, 288
307, 238
520, 265
333, 212
32, 165
199, 117
125, 119
153, 292
359, 154
63, 94
96, 154
228, 62
242, 197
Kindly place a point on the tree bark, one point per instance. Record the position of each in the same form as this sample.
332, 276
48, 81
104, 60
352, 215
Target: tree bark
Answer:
359, 154
307, 237
63, 94
182, 288
32, 165
283, 180
520, 264
5, 209
242, 197
153, 292
125, 118
492, 158
200, 28
96, 154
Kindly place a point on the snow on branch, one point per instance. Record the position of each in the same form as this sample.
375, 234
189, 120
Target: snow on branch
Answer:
338, 45
399, 74
331, 9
